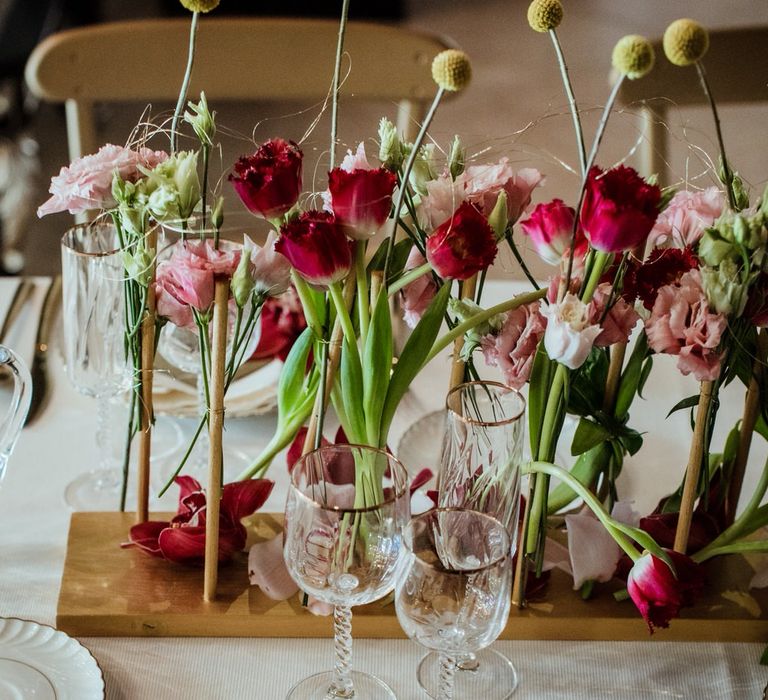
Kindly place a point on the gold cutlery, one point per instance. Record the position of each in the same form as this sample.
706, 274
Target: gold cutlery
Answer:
39, 368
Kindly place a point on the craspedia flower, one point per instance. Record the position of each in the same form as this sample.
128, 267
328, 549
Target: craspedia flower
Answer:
633, 56
451, 70
544, 15
685, 42
200, 5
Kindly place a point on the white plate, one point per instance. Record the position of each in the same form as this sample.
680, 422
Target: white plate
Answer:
37, 661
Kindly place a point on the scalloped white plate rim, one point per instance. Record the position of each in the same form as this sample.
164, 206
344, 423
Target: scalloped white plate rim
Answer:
45, 666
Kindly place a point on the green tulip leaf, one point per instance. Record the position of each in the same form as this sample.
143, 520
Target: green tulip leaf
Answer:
377, 365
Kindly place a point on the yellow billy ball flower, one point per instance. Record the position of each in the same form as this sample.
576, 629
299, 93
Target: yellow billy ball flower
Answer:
685, 42
451, 70
544, 15
633, 56
200, 5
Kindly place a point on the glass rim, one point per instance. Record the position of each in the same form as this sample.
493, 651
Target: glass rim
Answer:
336, 509
408, 539
82, 227
474, 421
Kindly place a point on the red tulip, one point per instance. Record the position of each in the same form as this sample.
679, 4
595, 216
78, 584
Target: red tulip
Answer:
361, 199
269, 181
316, 247
282, 321
550, 229
462, 245
182, 540
620, 209
658, 592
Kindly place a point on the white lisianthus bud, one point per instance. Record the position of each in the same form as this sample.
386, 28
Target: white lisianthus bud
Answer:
138, 265
390, 147
202, 120
569, 338
242, 279
723, 286
179, 184
456, 158
163, 203
499, 217
187, 183
423, 170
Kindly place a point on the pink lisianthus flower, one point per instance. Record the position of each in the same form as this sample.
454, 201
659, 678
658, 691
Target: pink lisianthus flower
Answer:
182, 540
201, 255
444, 196
658, 592
513, 348
619, 209
682, 324
618, 322
686, 217
550, 229
87, 182
359, 196
462, 245
179, 284
569, 336
316, 247
416, 296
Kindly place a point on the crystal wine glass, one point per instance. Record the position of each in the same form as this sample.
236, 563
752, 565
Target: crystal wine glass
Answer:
480, 469
347, 505
94, 346
453, 595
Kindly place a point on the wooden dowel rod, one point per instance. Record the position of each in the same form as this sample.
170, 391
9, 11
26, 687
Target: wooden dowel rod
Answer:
693, 470
752, 403
216, 427
146, 376
458, 365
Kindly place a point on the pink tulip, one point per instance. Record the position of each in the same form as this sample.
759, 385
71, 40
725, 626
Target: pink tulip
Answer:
619, 209
658, 592
316, 247
550, 229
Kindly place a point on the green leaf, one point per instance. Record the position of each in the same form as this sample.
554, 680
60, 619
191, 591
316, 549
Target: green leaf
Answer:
631, 378
351, 377
400, 252
538, 391
631, 440
588, 435
289, 389
377, 365
588, 384
761, 427
586, 470
688, 402
646, 372
412, 358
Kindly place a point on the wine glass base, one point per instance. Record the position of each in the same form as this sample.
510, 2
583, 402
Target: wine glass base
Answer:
97, 490
493, 678
367, 687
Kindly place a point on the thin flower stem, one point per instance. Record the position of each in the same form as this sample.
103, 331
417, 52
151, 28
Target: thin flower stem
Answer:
407, 173
590, 162
408, 277
130, 433
302, 289
590, 501
341, 310
362, 289
204, 194
336, 78
755, 546
727, 172
513, 247
184, 459
461, 328
185, 83
571, 101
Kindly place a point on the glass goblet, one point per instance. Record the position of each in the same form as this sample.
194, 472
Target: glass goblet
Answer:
480, 469
94, 347
453, 595
346, 507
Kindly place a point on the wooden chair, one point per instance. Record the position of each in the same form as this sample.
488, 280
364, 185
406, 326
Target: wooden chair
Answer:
737, 70
242, 59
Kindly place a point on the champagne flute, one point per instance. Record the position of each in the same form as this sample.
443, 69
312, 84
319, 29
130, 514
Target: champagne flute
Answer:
453, 596
347, 505
480, 469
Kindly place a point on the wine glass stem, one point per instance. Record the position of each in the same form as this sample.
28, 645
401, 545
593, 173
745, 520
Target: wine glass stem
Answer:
341, 686
447, 676
103, 432
467, 662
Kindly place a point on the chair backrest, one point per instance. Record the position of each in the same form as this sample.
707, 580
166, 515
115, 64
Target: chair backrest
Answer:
737, 71
249, 59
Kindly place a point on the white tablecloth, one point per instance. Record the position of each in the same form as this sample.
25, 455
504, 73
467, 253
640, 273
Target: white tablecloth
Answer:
59, 446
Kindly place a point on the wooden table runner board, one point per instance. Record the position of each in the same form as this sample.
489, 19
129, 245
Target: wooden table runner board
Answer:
112, 592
